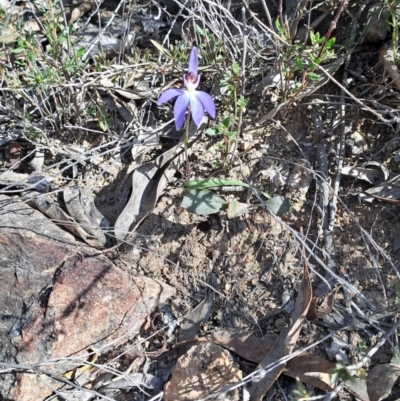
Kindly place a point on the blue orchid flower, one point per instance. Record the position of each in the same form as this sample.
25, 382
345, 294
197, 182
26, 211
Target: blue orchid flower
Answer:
198, 100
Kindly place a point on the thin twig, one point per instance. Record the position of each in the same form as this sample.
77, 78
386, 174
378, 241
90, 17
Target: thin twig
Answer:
293, 27
268, 15
325, 191
243, 84
333, 25
358, 101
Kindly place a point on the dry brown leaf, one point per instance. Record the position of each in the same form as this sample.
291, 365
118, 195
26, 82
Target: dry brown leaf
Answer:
386, 191
148, 183
358, 388
312, 311
190, 326
373, 173
13, 153
245, 343
36, 25
80, 206
8, 35
381, 379
285, 344
318, 312
80, 11
305, 367
61, 218
126, 93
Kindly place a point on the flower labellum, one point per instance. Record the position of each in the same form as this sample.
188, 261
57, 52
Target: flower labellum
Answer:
198, 100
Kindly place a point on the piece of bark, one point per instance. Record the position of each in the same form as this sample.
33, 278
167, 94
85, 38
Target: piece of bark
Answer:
58, 298
205, 369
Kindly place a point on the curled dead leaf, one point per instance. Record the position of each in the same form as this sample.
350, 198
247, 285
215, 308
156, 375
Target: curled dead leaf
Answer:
381, 379
148, 183
325, 308
285, 344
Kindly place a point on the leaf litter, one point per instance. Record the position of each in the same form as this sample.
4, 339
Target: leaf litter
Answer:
264, 379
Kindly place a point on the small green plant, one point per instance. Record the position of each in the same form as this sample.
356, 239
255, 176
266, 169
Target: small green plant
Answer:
228, 138
231, 81
98, 113
234, 104
393, 6
397, 290
361, 349
25, 49
177, 54
56, 31
342, 373
36, 76
300, 393
212, 47
303, 59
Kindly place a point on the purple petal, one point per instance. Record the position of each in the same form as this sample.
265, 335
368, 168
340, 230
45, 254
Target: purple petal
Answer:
180, 108
194, 61
207, 102
197, 108
168, 95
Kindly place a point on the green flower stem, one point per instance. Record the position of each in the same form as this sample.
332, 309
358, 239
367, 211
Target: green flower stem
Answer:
235, 103
186, 142
395, 32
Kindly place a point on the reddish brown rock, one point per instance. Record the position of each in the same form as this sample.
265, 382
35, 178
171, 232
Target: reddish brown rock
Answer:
58, 298
205, 369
